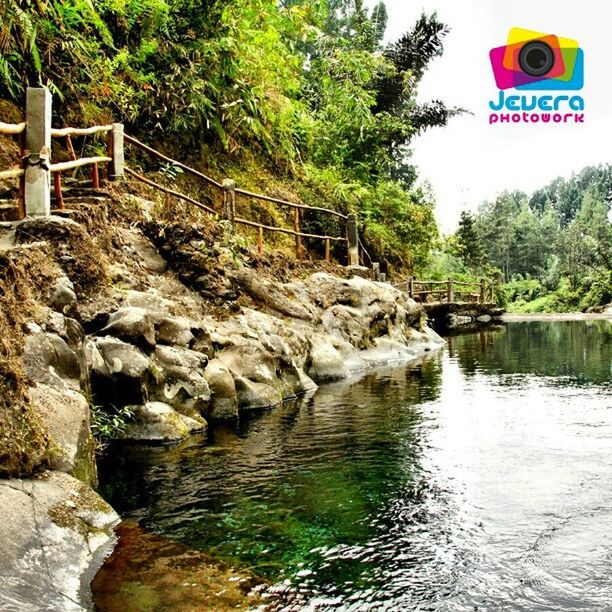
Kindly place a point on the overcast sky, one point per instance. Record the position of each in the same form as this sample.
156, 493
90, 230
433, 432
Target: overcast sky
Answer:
469, 160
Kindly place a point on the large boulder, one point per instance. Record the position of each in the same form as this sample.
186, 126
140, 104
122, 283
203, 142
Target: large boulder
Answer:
54, 535
175, 331
65, 414
132, 324
326, 362
179, 379
119, 372
224, 400
158, 422
48, 359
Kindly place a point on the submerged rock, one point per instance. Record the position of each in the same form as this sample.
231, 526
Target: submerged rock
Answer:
159, 422
54, 535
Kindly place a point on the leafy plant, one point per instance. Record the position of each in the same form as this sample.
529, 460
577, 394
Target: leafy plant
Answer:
108, 424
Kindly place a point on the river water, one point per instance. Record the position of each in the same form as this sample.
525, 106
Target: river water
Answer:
480, 479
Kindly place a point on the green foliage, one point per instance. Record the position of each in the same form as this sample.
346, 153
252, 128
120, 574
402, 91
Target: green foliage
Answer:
109, 423
561, 235
308, 87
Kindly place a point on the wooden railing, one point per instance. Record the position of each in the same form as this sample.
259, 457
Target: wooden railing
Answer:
449, 290
227, 209
17, 172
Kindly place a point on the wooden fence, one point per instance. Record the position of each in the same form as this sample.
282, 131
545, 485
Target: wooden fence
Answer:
34, 171
449, 290
227, 188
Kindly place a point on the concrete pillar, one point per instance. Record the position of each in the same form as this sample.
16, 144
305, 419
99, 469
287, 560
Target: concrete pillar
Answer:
353, 240
115, 150
38, 152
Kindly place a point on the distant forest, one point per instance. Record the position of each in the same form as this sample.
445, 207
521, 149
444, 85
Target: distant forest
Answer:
551, 249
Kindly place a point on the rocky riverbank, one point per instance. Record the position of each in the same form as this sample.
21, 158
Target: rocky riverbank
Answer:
176, 324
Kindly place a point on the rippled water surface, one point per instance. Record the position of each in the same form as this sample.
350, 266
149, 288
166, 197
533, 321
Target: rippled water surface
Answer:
478, 480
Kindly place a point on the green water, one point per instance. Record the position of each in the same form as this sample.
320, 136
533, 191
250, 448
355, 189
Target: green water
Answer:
481, 477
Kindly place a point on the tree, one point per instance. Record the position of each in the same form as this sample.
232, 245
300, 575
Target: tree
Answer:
468, 244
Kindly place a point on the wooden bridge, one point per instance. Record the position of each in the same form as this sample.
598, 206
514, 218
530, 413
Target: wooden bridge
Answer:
35, 174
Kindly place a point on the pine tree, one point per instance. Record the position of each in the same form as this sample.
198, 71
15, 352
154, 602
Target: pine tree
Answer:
469, 245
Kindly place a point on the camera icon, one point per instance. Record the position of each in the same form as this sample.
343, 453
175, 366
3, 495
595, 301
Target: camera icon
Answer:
537, 61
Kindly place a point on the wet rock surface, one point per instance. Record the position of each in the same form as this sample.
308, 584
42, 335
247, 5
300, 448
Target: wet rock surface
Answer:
54, 535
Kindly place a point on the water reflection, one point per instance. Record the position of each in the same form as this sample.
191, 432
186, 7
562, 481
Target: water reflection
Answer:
480, 478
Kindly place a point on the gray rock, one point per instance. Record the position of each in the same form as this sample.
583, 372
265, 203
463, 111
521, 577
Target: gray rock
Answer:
120, 372
145, 252
48, 359
65, 414
484, 318
326, 363
175, 331
63, 298
458, 320
54, 535
179, 379
257, 395
224, 400
159, 422
156, 305
119, 357
132, 324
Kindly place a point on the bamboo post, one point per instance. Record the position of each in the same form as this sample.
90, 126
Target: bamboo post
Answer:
229, 201
115, 147
296, 229
37, 187
411, 286
95, 176
57, 188
449, 290
167, 201
482, 290
260, 241
327, 249
21, 211
353, 240
73, 155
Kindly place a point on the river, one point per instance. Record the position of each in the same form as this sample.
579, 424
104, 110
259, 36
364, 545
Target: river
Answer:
479, 479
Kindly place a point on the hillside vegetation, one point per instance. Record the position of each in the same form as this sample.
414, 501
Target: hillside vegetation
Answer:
297, 95
552, 250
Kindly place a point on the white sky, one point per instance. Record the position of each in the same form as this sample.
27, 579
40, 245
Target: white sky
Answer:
469, 160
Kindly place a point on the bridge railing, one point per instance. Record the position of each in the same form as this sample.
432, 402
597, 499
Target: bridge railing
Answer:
449, 290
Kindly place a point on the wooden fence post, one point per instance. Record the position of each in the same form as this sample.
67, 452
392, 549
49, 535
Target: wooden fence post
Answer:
260, 241
449, 290
229, 200
375, 270
116, 152
57, 189
327, 249
353, 240
482, 290
411, 286
296, 229
37, 187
